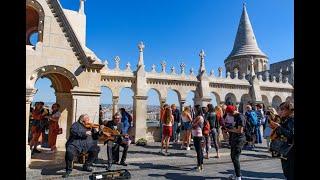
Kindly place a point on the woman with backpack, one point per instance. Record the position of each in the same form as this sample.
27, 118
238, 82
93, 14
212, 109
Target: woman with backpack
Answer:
197, 126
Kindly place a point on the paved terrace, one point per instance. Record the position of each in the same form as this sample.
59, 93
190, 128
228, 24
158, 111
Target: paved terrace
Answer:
147, 163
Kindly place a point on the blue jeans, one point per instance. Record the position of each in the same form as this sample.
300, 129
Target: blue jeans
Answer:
175, 127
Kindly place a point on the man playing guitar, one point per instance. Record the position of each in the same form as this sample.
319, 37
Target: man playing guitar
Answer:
114, 139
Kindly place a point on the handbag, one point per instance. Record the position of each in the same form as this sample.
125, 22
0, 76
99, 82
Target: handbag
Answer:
280, 147
59, 129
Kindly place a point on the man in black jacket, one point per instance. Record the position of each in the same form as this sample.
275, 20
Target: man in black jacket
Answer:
177, 122
81, 140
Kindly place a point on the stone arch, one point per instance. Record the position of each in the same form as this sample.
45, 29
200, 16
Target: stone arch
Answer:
276, 101
217, 97
34, 20
62, 79
107, 115
265, 100
158, 92
245, 99
178, 94
230, 98
290, 99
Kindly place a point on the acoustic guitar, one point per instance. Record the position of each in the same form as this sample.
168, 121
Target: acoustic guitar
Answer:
114, 133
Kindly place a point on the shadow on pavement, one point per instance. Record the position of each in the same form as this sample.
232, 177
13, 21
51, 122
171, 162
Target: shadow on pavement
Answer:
251, 174
183, 176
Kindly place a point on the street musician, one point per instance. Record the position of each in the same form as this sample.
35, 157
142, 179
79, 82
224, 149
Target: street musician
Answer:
115, 139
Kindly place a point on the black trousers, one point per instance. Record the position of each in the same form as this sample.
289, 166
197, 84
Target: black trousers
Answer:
72, 152
236, 147
197, 141
287, 165
113, 151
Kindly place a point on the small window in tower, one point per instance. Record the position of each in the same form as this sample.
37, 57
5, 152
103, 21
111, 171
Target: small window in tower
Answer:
252, 37
33, 39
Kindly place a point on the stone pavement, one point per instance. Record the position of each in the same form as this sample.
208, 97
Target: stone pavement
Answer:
147, 163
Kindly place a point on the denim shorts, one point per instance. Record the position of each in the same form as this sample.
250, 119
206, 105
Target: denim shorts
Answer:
187, 126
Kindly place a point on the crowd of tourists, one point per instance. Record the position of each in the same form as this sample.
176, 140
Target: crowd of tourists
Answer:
211, 126
200, 128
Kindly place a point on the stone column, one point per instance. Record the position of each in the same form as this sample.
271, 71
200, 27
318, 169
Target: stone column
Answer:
140, 112
65, 101
29, 98
115, 101
182, 102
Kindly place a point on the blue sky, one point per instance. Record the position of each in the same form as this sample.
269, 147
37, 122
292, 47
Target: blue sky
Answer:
176, 31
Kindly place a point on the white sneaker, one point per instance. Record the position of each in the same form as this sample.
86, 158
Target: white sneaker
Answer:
238, 178
233, 176
188, 148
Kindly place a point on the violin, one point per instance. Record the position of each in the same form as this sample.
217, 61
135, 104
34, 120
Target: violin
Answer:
91, 125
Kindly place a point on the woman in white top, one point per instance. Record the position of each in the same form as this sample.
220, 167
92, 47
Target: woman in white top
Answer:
198, 140
186, 120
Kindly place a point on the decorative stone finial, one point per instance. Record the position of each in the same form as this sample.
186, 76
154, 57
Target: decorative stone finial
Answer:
267, 75
260, 77
182, 66
202, 67
286, 80
252, 73
280, 75
191, 72
81, 7
212, 73
220, 71
153, 68
273, 78
106, 64
163, 65
173, 70
117, 60
141, 46
243, 75
128, 66
228, 74
235, 71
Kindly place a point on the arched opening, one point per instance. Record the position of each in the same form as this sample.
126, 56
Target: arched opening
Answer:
173, 97
34, 22
106, 104
153, 116
245, 99
153, 106
126, 100
215, 99
265, 100
230, 99
290, 99
189, 99
61, 84
276, 101
46, 94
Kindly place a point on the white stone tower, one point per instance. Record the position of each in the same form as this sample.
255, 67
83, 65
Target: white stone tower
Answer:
245, 47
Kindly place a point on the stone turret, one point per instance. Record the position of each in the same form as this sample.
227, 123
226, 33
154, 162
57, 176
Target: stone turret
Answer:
246, 46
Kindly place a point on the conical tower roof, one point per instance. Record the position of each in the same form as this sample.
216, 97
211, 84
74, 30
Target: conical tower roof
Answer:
245, 42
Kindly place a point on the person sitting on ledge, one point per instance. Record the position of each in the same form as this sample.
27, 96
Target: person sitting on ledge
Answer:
82, 139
